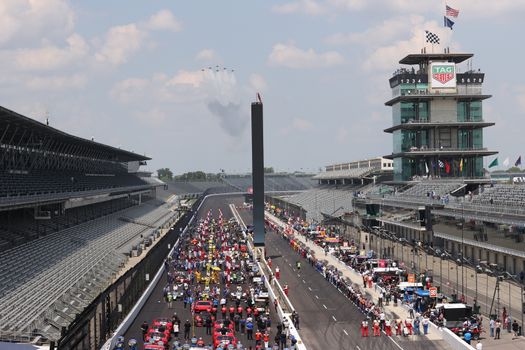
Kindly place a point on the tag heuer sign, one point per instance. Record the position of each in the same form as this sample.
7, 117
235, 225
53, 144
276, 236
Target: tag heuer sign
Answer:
442, 73
442, 76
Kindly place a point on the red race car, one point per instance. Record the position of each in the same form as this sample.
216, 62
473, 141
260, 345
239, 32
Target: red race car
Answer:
154, 337
224, 340
202, 305
162, 322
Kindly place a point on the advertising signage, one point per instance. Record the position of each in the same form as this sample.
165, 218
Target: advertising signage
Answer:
442, 77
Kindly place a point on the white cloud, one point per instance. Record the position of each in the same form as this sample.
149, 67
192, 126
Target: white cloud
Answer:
120, 43
290, 56
49, 57
206, 55
385, 32
301, 124
164, 20
56, 82
520, 97
257, 82
469, 9
183, 77
386, 57
297, 125
127, 90
22, 20
309, 7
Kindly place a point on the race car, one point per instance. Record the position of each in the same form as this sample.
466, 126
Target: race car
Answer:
154, 337
202, 305
162, 322
224, 340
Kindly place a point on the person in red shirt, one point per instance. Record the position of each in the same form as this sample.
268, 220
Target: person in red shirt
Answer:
266, 339
258, 337
377, 333
364, 328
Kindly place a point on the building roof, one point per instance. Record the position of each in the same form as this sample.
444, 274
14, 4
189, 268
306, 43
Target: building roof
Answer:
17, 129
430, 152
425, 57
429, 96
425, 125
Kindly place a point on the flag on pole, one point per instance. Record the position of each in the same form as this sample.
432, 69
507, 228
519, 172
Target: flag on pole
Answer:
426, 168
506, 162
441, 164
518, 161
461, 165
494, 163
431, 37
447, 167
447, 22
451, 12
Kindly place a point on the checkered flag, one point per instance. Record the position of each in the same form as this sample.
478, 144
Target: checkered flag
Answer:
432, 38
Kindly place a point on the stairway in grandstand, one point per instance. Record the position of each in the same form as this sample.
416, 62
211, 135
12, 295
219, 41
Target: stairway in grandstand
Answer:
46, 282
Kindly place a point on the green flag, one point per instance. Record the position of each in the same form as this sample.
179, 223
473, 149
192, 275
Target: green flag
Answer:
493, 163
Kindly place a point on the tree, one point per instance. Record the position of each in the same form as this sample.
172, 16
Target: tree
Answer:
514, 169
165, 174
268, 170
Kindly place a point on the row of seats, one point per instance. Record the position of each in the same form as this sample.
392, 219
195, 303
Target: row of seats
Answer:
39, 182
20, 226
430, 188
67, 269
501, 195
323, 200
273, 183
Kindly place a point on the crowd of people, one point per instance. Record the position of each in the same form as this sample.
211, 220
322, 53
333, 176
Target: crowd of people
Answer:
212, 277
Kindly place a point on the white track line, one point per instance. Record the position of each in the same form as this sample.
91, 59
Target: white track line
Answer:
325, 306
335, 319
344, 330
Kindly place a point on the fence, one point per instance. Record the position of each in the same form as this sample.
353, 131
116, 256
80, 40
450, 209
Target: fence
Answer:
95, 324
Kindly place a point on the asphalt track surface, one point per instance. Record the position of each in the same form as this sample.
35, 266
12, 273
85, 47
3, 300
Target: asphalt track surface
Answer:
328, 320
156, 307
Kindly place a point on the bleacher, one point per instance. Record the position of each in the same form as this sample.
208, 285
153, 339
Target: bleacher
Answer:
329, 201
344, 174
186, 187
273, 182
17, 227
430, 188
504, 195
40, 182
45, 282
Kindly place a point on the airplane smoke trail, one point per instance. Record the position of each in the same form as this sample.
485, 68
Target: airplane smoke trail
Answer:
224, 99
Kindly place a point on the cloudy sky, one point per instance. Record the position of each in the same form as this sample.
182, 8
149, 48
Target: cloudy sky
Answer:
129, 73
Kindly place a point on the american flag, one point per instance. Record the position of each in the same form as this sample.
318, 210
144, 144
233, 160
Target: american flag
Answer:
452, 12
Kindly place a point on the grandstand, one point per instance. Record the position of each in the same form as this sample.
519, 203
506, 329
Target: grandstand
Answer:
325, 200
272, 182
72, 212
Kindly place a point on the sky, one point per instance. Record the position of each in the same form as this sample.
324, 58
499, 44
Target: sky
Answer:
135, 74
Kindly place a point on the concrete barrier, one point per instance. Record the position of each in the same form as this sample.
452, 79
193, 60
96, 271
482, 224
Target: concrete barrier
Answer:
280, 295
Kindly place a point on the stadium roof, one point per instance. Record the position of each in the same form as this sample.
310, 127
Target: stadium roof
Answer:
344, 174
18, 130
